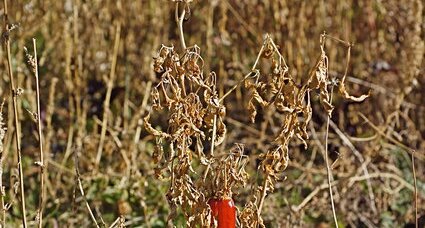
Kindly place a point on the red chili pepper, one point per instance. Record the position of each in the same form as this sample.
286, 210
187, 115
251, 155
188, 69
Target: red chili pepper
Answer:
224, 211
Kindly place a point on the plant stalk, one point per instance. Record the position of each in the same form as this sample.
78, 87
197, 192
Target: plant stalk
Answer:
2, 156
40, 137
328, 169
110, 83
15, 113
263, 195
416, 189
179, 20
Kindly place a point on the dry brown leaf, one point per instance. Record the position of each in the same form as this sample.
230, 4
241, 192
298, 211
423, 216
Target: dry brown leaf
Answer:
152, 130
346, 95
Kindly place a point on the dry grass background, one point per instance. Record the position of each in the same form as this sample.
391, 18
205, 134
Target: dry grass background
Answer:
89, 81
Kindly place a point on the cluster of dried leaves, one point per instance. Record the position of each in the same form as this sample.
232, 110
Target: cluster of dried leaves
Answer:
195, 121
277, 92
195, 118
76, 39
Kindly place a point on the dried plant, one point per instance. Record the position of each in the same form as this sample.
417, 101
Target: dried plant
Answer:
94, 94
15, 93
2, 188
277, 92
195, 117
33, 64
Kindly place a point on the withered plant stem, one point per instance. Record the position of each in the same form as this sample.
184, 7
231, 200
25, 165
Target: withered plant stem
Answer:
40, 138
253, 70
328, 168
15, 114
80, 187
415, 193
2, 192
238, 84
351, 181
361, 159
347, 44
263, 195
242, 21
110, 84
391, 139
179, 20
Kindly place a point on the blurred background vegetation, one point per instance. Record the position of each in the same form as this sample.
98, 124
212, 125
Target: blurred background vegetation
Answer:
75, 41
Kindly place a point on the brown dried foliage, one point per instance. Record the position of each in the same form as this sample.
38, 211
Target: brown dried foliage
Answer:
277, 92
191, 102
76, 40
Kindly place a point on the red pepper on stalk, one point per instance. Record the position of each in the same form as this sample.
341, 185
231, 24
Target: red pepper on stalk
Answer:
224, 211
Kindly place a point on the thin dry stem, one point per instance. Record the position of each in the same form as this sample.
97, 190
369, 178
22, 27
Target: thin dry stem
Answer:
328, 168
80, 187
2, 156
238, 84
179, 20
351, 181
15, 113
347, 44
118, 222
241, 20
249, 75
389, 138
263, 195
110, 84
2, 193
359, 156
416, 189
40, 139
